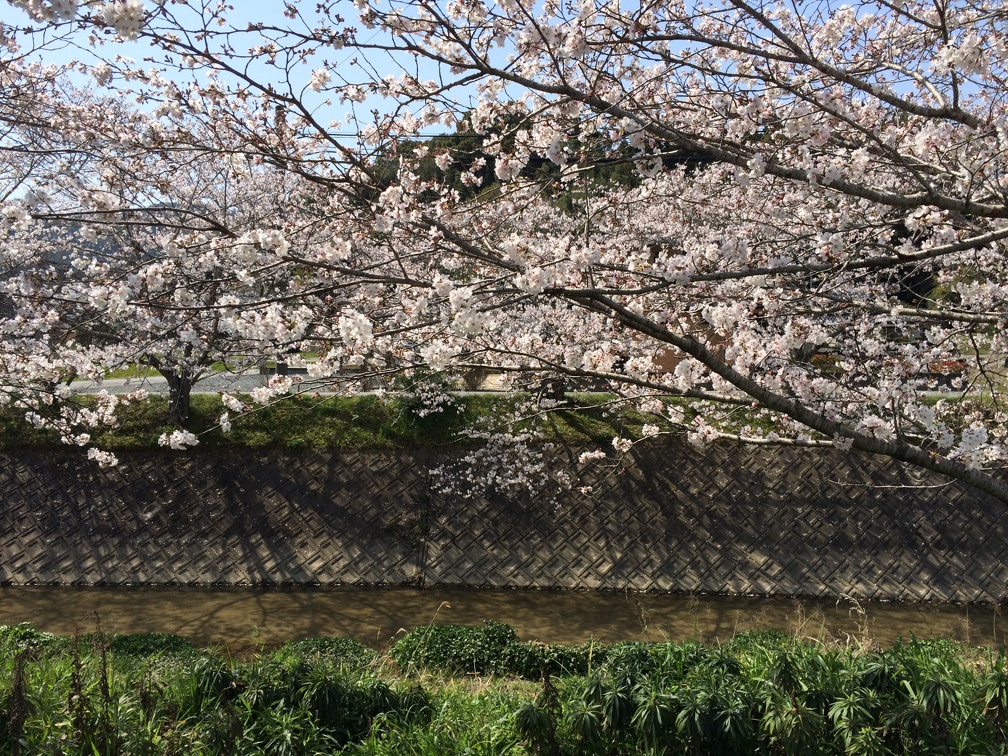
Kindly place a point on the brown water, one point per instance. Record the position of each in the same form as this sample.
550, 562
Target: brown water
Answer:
244, 619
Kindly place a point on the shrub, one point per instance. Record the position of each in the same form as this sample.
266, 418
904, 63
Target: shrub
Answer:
631, 657
144, 645
339, 653
16, 638
320, 706
533, 660
457, 649
207, 683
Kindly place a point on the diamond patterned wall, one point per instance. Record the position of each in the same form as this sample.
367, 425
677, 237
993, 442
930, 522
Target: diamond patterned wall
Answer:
749, 520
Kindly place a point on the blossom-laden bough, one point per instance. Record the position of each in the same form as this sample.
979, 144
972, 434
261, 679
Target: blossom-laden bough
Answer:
798, 215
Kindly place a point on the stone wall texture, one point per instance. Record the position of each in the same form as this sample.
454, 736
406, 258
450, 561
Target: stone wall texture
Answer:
739, 520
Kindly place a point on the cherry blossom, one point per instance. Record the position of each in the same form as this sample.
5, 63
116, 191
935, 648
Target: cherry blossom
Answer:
792, 216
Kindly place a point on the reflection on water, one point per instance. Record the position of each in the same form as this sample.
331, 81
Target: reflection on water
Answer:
242, 619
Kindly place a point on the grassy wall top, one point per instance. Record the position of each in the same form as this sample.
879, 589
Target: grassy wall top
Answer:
348, 423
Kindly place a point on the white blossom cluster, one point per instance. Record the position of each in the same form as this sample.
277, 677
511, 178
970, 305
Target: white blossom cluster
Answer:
178, 439
48, 10
126, 17
428, 398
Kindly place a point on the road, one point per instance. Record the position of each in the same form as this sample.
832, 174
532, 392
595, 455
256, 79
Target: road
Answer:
214, 383
232, 383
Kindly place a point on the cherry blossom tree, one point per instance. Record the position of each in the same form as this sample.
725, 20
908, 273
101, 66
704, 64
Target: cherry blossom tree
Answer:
152, 254
813, 239
126, 244
34, 363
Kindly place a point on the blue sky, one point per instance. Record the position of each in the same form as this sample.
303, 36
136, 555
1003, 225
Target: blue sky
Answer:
75, 47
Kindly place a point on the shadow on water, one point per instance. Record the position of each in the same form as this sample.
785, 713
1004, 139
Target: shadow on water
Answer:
244, 619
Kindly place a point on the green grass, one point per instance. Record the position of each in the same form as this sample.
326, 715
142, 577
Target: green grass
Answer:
392, 422
145, 371
352, 423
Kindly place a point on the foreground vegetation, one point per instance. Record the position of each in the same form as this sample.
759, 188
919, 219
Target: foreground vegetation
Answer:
480, 690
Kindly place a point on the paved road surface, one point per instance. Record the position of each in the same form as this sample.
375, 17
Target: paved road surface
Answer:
232, 383
212, 384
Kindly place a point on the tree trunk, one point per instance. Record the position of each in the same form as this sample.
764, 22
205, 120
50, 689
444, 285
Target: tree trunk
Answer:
179, 398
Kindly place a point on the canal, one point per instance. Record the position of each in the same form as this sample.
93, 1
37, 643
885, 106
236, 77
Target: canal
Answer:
244, 619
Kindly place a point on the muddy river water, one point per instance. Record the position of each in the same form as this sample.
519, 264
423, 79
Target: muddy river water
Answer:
244, 619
